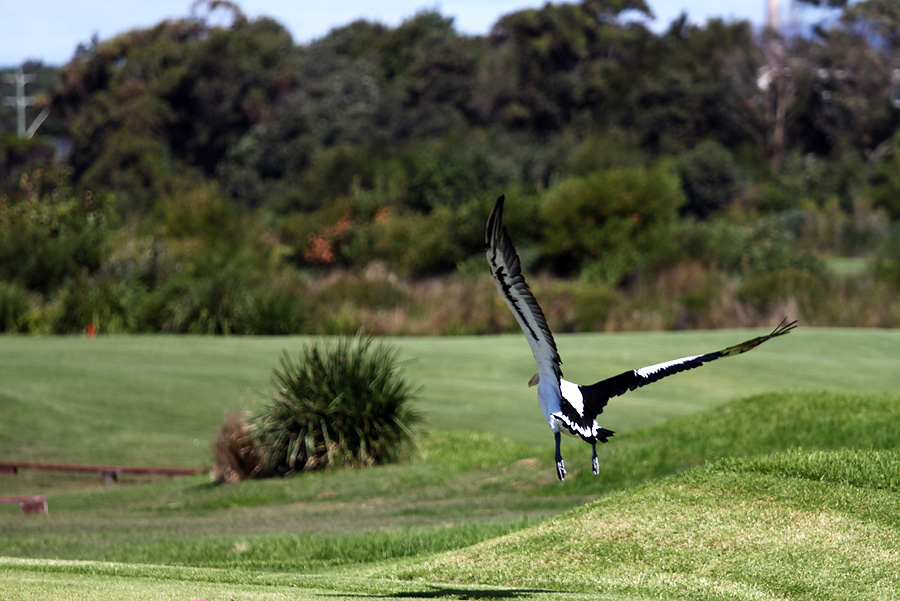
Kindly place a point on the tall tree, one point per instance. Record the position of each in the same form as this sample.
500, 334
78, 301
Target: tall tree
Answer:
152, 104
685, 96
547, 65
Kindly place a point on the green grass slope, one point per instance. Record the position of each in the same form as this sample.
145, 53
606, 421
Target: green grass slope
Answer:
751, 426
799, 500
797, 525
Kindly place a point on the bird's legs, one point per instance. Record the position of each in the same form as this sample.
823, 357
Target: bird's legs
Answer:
594, 461
560, 466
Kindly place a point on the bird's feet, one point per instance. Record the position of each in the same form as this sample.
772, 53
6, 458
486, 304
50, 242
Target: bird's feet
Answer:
596, 464
560, 469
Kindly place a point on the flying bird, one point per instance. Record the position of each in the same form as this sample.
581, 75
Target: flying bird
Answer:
568, 407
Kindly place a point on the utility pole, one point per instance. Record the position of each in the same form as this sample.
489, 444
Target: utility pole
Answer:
20, 101
773, 15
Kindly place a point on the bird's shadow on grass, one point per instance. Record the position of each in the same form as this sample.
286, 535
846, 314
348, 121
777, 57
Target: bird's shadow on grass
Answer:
436, 592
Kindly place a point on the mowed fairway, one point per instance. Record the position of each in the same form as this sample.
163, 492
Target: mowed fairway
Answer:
815, 468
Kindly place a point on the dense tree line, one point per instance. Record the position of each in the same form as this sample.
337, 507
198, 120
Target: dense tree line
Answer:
217, 172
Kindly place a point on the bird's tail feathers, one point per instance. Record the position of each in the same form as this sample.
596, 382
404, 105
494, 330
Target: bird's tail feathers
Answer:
603, 435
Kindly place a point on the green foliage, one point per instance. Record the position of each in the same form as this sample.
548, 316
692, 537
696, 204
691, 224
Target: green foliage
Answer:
112, 307
550, 66
340, 303
602, 151
764, 292
376, 293
344, 404
710, 177
674, 109
280, 308
448, 172
226, 301
200, 212
235, 148
885, 186
15, 305
585, 305
770, 246
138, 172
418, 244
138, 113
49, 237
887, 265
210, 297
620, 216
756, 248
19, 157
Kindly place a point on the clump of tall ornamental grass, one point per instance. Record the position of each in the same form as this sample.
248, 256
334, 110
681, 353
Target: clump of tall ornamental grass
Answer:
341, 403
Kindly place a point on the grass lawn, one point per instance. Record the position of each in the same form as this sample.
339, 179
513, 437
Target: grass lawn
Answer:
720, 482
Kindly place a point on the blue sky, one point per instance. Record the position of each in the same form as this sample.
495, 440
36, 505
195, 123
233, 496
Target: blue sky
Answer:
50, 30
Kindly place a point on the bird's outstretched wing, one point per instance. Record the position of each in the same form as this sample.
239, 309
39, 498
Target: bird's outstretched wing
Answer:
507, 272
596, 395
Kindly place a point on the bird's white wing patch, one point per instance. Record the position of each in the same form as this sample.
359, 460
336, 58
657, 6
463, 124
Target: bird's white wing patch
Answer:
646, 372
572, 405
572, 395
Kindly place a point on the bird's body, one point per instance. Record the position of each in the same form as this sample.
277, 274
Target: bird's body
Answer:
568, 407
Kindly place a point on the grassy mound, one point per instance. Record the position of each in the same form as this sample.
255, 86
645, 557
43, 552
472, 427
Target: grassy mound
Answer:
799, 525
797, 500
751, 426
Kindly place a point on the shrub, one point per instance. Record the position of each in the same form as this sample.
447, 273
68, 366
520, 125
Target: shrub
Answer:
887, 259
766, 291
418, 245
340, 404
710, 177
765, 245
14, 306
47, 238
210, 297
342, 300
885, 187
20, 156
770, 245
111, 306
583, 305
626, 213
376, 293
280, 309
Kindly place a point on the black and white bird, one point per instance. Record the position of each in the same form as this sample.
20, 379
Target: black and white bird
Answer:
569, 407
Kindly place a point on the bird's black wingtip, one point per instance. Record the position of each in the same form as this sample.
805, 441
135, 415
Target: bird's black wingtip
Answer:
492, 230
498, 205
784, 327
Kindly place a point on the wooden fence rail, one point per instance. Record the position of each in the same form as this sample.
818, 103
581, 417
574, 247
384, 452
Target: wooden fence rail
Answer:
110, 473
